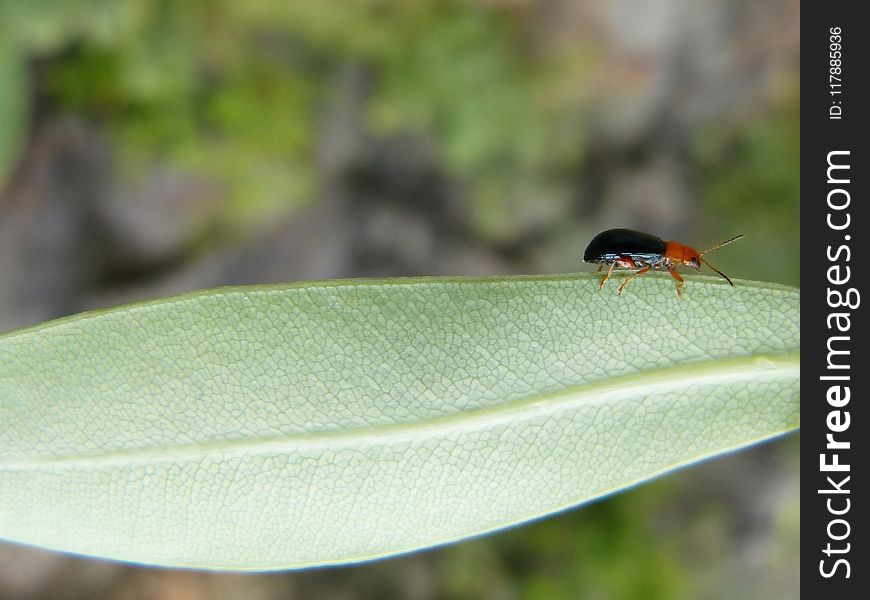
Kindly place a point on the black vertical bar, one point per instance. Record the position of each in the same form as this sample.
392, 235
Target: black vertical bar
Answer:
835, 229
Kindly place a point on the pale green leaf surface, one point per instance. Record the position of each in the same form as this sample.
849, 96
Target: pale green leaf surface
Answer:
329, 422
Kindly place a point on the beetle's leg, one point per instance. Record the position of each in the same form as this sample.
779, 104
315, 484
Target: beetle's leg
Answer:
632, 276
680, 282
598, 270
606, 275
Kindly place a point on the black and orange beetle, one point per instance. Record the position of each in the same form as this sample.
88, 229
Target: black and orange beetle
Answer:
629, 249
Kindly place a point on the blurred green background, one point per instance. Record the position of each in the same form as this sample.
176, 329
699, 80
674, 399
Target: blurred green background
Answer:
151, 147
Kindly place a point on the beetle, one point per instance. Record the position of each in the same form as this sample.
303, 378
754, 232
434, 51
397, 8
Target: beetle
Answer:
630, 249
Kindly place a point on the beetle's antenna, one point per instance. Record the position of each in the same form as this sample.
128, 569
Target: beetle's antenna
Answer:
719, 245
714, 268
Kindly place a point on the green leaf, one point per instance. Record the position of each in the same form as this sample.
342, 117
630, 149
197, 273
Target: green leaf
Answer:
329, 422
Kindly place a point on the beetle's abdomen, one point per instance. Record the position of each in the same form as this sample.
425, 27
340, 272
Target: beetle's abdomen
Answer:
609, 245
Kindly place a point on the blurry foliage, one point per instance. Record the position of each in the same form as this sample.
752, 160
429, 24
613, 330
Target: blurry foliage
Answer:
37, 28
609, 550
235, 91
748, 172
12, 105
467, 76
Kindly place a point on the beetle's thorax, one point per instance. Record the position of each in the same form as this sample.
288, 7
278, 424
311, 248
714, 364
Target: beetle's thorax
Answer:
678, 253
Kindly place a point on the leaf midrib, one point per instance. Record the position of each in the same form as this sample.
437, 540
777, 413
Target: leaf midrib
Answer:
758, 367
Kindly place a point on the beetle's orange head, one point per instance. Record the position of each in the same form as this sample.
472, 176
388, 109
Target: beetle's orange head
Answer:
688, 256
682, 254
